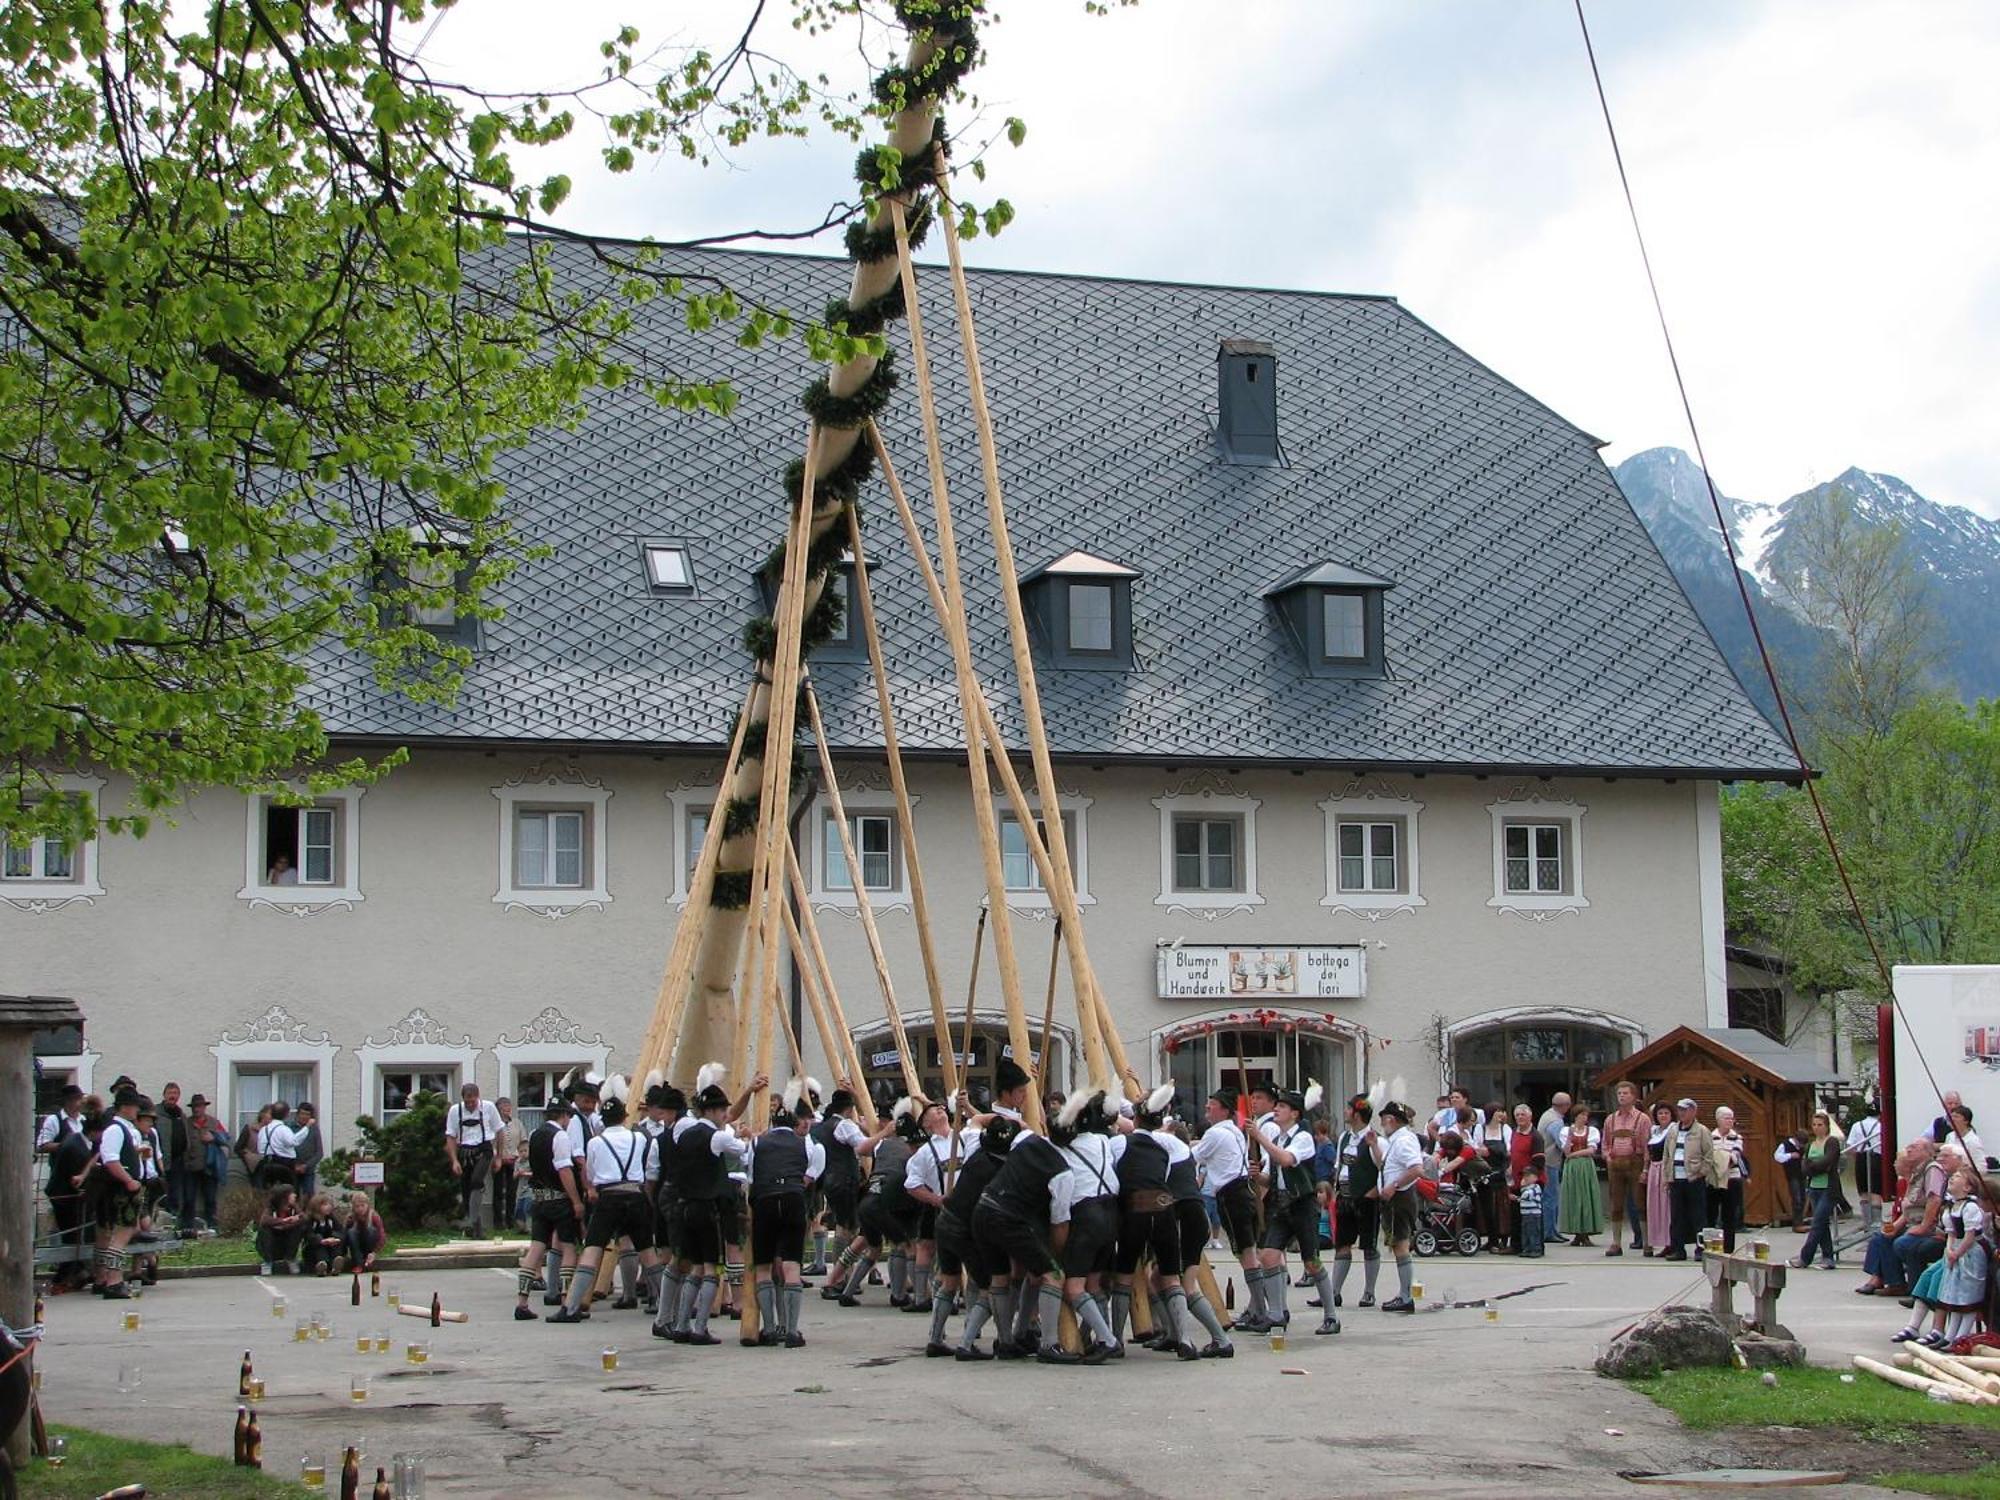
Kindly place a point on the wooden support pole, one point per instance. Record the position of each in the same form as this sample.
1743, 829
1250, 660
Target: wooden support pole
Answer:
906, 822
864, 908
838, 1046
972, 983
953, 621
811, 930
1950, 1389
1041, 1060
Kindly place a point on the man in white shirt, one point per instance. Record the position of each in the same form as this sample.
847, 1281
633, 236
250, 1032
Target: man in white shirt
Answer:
926, 1179
1223, 1158
1401, 1158
784, 1164
616, 1160
1864, 1143
471, 1126
67, 1120
1291, 1212
278, 1146
120, 1194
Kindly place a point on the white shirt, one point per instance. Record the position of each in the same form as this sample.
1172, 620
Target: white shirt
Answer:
1733, 1144
580, 1133
970, 1137
111, 1145
1222, 1154
1093, 1173
617, 1155
1401, 1151
277, 1139
149, 1166
1176, 1148
1298, 1143
52, 1128
1866, 1136
927, 1163
475, 1127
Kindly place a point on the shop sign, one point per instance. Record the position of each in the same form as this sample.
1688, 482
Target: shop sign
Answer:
1192, 972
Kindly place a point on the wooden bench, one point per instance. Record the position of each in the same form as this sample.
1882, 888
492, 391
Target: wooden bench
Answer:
1765, 1280
52, 1253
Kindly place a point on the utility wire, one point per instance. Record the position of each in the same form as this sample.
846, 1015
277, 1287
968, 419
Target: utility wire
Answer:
1806, 773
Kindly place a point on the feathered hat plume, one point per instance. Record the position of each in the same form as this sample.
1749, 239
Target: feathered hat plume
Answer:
709, 1075
1314, 1093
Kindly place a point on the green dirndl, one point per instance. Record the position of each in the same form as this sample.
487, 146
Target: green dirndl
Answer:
1582, 1207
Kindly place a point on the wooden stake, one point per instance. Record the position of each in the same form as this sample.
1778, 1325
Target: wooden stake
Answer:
906, 822
1951, 1389
1041, 1060
953, 621
1946, 1365
857, 1074
972, 983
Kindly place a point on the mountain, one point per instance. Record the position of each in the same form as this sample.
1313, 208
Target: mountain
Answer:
1954, 550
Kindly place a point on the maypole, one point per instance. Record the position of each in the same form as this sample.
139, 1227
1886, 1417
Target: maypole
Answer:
942, 50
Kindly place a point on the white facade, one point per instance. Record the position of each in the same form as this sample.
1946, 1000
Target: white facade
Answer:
470, 927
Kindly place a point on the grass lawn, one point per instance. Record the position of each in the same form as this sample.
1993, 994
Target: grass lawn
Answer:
241, 1250
98, 1462
1811, 1397
1980, 1484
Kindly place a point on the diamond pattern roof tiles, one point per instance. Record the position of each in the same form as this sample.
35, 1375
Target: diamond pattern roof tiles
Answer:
1533, 623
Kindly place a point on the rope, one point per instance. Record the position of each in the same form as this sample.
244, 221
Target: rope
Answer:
1807, 775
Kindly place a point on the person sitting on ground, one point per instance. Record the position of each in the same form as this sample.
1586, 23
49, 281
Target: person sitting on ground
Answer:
280, 1228
324, 1237
366, 1236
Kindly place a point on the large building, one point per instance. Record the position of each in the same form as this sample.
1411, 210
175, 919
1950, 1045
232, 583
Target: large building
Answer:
1388, 744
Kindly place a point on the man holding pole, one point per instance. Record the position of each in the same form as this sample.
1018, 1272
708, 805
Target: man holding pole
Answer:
1224, 1160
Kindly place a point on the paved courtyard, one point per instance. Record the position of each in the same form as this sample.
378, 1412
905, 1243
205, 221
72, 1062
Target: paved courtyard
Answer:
1437, 1403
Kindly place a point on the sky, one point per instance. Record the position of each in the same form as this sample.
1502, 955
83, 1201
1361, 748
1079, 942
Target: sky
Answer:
1819, 181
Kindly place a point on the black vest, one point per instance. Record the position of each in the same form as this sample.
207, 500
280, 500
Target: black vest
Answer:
542, 1161
842, 1168
1022, 1188
1182, 1180
1295, 1181
1144, 1164
778, 1165
892, 1160
975, 1176
1362, 1172
699, 1174
663, 1152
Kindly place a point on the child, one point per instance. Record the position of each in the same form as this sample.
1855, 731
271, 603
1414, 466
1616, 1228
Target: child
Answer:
1962, 1291
324, 1237
1530, 1199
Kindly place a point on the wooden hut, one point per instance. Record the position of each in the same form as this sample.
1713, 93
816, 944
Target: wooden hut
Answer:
1773, 1089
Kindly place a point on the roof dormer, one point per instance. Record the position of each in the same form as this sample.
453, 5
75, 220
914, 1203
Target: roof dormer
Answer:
1083, 605
846, 642
1334, 614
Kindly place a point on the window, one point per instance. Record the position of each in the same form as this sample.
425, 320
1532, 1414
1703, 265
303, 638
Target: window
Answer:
697, 835
1090, 609
257, 1087
396, 1089
1535, 862
667, 568
1344, 627
301, 845
1207, 853
38, 859
874, 837
436, 568
1369, 856
535, 1087
1017, 865
549, 848
302, 859
1530, 1064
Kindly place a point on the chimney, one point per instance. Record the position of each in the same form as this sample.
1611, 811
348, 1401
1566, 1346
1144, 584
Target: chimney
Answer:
1246, 430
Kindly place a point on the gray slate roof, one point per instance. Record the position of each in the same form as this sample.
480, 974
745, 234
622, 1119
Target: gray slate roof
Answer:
1792, 1064
1532, 625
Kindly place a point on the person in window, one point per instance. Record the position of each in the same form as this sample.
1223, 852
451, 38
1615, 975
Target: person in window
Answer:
281, 872
365, 1237
281, 1228
324, 1238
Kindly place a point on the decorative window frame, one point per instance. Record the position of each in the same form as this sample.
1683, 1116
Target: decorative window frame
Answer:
683, 798
37, 898
303, 900
81, 1066
877, 1035
1039, 904
1537, 804
549, 1039
1543, 1015
1375, 802
1208, 795
418, 1041
276, 1038
563, 785
865, 796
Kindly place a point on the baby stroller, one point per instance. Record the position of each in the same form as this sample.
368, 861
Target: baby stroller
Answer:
1443, 1220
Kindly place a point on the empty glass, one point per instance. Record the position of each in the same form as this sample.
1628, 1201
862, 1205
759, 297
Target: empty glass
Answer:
409, 1476
128, 1380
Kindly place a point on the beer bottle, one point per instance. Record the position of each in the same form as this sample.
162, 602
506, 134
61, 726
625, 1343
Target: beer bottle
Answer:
382, 1490
253, 1444
350, 1475
374, 1283
242, 1448
437, 1311
354, 1291
243, 1376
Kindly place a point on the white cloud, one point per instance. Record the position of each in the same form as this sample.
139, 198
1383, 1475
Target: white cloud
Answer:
1820, 184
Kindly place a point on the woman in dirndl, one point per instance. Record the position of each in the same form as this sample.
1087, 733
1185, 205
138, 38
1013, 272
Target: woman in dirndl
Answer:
1581, 1213
1659, 1207
1962, 1291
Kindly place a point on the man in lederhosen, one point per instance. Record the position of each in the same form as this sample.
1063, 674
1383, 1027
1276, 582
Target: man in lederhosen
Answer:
469, 1130
783, 1164
118, 1193
1148, 1224
840, 1138
555, 1215
886, 1215
664, 1107
925, 1182
1356, 1213
616, 1161
959, 1254
1291, 1212
1011, 1227
703, 1148
1083, 1219
1224, 1159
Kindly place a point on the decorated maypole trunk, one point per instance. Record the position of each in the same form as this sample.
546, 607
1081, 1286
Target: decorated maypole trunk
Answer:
942, 49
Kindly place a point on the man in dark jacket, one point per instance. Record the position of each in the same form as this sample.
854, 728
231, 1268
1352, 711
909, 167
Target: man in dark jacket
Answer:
310, 1148
174, 1143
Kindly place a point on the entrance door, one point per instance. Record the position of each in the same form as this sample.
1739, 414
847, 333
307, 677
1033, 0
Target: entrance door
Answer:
1259, 1060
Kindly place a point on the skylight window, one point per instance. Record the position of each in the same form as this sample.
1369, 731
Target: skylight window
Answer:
667, 567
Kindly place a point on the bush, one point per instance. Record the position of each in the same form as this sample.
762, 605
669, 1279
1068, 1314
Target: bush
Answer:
237, 1209
417, 1184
